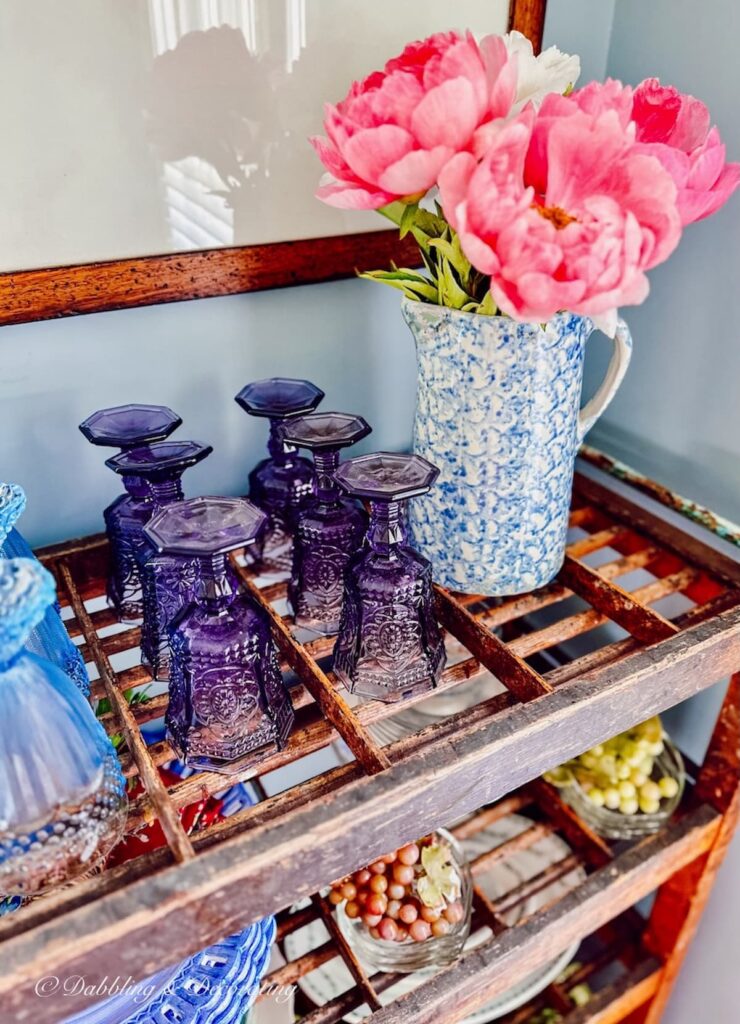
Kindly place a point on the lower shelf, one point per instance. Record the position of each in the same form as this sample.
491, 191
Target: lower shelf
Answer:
598, 905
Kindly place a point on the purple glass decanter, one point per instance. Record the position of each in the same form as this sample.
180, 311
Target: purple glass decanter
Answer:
280, 485
228, 706
389, 644
125, 427
330, 527
167, 582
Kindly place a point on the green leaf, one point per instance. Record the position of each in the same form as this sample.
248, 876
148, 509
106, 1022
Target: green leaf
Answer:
445, 247
393, 211
411, 283
488, 306
450, 290
407, 219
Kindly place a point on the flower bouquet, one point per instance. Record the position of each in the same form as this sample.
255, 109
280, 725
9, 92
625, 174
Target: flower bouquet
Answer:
538, 209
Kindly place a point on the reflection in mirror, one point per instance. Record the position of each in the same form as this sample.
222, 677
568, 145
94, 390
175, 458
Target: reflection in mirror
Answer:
158, 126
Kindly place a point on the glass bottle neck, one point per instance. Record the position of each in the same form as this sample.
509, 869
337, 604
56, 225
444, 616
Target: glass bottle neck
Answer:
280, 451
387, 527
164, 492
214, 590
136, 486
326, 464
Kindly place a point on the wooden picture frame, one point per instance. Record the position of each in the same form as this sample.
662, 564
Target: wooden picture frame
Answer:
29, 295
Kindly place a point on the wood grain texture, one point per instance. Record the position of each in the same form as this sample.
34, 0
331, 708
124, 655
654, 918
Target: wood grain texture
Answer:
528, 17
93, 287
176, 837
689, 548
178, 910
334, 707
490, 969
681, 900
611, 600
516, 675
615, 1002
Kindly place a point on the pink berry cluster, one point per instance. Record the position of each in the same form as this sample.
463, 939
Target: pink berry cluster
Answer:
384, 897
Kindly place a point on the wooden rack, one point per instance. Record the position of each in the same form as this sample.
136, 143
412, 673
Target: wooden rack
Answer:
571, 681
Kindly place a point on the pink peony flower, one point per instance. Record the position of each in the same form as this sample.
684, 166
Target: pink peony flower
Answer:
674, 127
562, 212
394, 132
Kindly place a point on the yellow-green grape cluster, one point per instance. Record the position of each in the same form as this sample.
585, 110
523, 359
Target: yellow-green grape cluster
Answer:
618, 774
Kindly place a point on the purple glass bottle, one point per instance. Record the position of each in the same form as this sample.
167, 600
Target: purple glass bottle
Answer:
330, 527
280, 485
228, 704
389, 644
125, 427
167, 582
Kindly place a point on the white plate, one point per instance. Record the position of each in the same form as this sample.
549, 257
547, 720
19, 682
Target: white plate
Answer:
333, 978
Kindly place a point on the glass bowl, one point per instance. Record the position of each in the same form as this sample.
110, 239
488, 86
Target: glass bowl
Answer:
408, 956
614, 824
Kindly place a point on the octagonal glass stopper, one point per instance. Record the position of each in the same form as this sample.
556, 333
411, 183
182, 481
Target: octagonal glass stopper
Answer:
207, 526
386, 476
160, 460
126, 426
279, 397
326, 431
387, 480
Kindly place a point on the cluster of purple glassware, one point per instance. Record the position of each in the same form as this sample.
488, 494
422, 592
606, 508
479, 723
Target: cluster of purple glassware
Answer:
360, 579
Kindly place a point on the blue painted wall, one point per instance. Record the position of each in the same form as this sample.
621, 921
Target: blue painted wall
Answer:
347, 336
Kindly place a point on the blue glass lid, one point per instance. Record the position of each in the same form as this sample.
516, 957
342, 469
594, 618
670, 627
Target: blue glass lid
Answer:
12, 503
26, 591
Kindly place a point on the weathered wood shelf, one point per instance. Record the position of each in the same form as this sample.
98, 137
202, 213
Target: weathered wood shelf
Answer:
572, 679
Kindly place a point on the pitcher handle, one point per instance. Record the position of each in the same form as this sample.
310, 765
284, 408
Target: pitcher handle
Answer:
615, 372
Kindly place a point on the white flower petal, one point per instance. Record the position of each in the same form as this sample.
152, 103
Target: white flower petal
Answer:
551, 71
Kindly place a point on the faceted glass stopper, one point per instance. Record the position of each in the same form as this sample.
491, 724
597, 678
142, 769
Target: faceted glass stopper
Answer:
26, 591
12, 503
279, 397
160, 459
125, 426
386, 476
326, 430
201, 527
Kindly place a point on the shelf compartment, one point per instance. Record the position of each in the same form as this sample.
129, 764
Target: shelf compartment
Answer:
167, 904
617, 877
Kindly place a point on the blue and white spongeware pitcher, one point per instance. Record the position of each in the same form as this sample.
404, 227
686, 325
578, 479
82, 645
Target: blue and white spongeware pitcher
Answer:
498, 410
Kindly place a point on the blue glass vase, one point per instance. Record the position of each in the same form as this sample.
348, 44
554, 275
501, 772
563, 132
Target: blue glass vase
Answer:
219, 984
49, 639
62, 793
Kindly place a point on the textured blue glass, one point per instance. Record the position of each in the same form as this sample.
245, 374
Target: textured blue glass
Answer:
62, 792
218, 984
49, 639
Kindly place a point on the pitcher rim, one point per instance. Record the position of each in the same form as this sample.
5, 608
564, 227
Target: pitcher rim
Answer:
406, 302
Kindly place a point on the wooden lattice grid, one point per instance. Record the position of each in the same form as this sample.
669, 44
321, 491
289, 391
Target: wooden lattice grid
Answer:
287, 846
